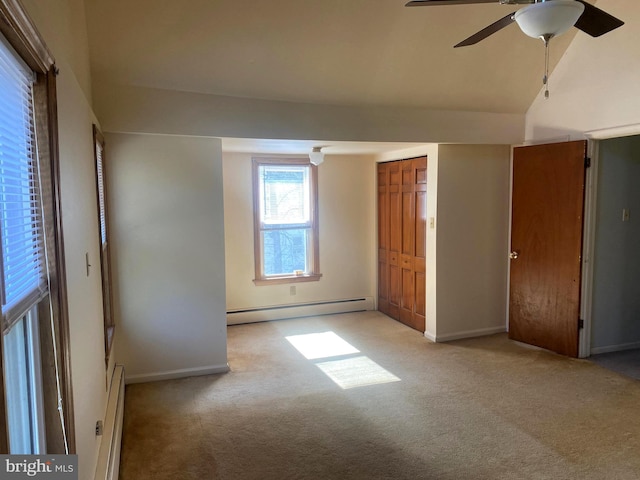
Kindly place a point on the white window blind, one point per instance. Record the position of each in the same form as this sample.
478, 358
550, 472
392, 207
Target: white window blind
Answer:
23, 280
101, 198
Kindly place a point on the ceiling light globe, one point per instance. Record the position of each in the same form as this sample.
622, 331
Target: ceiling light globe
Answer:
550, 18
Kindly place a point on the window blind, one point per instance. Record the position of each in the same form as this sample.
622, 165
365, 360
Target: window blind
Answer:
101, 197
21, 237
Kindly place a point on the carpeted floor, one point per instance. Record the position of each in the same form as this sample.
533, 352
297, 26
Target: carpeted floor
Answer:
626, 362
484, 408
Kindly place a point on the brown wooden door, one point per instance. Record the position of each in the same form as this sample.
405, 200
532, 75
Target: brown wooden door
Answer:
395, 238
412, 257
389, 238
546, 237
383, 238
402, 240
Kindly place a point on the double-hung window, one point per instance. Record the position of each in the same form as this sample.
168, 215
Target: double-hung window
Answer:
285, 221
23, 283
36, 398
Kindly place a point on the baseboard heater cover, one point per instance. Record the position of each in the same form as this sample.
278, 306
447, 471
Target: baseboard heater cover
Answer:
282, 312
108, 466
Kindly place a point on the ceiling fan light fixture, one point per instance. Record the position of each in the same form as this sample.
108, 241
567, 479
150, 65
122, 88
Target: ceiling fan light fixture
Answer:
316, 157
549, 19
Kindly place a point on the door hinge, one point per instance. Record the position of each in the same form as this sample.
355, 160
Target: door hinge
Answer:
587, 162
580, 324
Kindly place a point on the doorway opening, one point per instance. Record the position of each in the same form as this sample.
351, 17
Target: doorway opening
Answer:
614, 337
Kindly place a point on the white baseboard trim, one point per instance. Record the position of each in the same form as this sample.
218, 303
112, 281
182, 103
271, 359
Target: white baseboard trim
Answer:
282, 312
430, 336
615, 348
481, 332
173, 374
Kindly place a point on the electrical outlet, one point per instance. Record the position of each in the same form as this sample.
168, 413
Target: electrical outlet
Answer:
99, 427
292, 290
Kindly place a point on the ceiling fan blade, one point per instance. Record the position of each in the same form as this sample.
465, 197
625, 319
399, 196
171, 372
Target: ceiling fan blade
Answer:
596, 22
487, 31
426, 3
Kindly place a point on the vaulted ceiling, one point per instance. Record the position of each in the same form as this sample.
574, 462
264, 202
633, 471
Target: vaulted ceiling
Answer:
339, 52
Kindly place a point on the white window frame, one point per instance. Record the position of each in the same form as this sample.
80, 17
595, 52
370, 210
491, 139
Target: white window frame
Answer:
313, 256
29, 386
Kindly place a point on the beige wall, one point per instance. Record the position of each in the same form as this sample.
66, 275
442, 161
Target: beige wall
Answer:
80, 226
432, 241
472, 230
150, 110
595, 85
167, 234
466, 267
62, 25
346, 202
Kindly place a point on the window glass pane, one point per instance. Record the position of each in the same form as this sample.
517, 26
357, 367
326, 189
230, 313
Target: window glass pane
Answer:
284, 194
23, 392
17, 389
285, 251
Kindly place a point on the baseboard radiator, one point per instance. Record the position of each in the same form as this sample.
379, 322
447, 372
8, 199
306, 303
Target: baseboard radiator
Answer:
282, 312
108, 467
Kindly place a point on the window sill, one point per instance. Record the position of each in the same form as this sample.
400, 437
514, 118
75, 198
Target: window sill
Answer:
314, 277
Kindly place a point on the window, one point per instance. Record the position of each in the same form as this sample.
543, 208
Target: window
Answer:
36, 398
285, 221
107, 302
23, 282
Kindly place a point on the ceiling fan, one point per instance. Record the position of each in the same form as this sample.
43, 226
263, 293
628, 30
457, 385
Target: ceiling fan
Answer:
544, 19
555, 15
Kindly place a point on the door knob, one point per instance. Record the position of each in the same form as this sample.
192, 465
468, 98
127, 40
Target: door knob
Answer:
513, 255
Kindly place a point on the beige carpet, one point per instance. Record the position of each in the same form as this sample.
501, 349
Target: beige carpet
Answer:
484, 408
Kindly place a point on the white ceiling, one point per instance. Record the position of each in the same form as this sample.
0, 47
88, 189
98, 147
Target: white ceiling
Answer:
337, 52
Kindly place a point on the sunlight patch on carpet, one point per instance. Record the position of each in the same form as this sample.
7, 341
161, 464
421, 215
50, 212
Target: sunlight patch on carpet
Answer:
350, 372
356, 372
321, 345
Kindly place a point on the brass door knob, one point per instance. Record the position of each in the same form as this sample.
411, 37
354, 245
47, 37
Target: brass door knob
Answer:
513, 255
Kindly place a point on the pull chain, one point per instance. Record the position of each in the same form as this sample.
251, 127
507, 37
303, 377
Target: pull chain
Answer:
545, 79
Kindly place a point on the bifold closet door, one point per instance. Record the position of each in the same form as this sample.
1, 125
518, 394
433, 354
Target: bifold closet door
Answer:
389, 238
402, 240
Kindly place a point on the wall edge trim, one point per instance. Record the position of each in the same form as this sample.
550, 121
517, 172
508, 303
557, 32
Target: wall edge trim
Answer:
615, 348
174, 374
431, 336
480, 332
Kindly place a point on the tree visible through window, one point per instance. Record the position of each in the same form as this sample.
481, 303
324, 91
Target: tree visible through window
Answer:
285, 211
